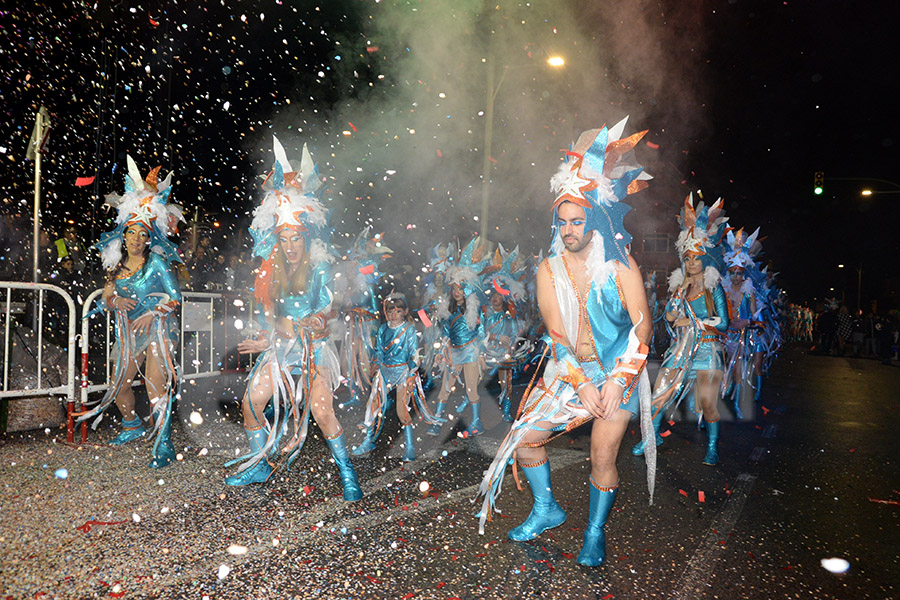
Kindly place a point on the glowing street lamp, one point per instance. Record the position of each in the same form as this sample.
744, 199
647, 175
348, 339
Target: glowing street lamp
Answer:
556, 61
866, 193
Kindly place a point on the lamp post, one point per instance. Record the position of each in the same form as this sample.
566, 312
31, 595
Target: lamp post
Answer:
492, 90
858, 285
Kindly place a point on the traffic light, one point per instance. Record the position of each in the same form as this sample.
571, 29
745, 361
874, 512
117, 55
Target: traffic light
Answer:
818, 183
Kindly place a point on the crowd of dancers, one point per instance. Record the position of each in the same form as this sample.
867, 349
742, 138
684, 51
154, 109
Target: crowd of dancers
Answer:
577, 323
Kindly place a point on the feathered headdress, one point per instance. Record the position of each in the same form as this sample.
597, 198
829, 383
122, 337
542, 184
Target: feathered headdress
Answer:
467, 269
289, 202
742, 249
144, 202
600, 170
702, 230
498, 277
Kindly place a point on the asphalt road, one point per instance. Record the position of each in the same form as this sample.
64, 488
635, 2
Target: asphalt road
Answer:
814, 477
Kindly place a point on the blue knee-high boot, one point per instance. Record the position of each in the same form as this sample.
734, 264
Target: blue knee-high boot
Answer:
759, 380
435, 429
259, 472
163, 452
593, 553
476, 427
409, 453
712, 452
505, 402
372, 434
352, 491
131, 430
545, 513
638, 449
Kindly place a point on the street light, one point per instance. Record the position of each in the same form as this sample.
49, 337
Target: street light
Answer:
492, 90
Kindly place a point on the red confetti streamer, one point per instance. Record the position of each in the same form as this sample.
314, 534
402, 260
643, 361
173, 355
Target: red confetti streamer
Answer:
765, 410
83, 181
683, 493
88, 524
367, 270
852, 450
352, 126
423, 316
666, 433
371, 49
117, 595
608, 596
567, 555
492, 159
439, 153
153, 21
652, 145
893, 502
701, 495
409, 595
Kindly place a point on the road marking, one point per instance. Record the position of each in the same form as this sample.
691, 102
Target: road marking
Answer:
700, 568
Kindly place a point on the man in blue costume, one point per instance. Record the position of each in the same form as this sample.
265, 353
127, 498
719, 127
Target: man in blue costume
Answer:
591, 297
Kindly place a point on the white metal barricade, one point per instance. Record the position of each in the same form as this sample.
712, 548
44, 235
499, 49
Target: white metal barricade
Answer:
205, 323
68, 388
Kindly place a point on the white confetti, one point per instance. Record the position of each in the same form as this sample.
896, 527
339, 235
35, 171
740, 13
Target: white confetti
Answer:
196, 418
62, 474
835, 565
237, 550
224, 570
424, 487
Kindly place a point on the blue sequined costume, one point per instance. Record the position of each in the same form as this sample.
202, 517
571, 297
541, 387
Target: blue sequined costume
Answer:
465, 341
709, 355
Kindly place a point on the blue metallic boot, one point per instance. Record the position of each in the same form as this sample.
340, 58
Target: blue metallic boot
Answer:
593, 553
759, 380
506, 403
352, 491
372, 434
638, 449
436, 428
259, 472
131, 430
409, 453
476, 427
545, 513
163, 452
712, 452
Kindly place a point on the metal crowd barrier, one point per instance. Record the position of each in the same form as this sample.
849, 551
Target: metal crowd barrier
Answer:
206, 321
38, 313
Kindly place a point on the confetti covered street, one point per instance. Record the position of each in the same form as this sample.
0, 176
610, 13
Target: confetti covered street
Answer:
807, 481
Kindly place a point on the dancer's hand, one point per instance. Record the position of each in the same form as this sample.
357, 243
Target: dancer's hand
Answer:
610, 398
590, 399
252, 346
682, 322
142, 323
126, 304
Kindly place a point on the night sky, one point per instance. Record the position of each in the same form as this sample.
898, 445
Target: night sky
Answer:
744, 100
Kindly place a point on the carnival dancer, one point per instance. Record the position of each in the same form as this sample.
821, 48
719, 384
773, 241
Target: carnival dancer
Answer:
501, 327
297, 370
463, 335
697, 315
395, 366
360, 309
591, 296
743, 329
142, 290
434, 302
